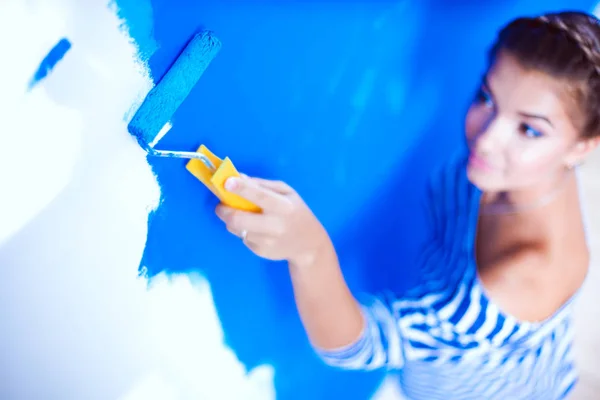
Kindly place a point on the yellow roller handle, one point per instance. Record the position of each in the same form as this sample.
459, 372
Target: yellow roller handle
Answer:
215, 180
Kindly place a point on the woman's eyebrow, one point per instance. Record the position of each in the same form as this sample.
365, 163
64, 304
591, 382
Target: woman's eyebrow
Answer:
485, 83
536, 116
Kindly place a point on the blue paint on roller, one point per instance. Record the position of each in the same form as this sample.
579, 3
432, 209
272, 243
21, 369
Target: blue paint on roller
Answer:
49, 62
164, 99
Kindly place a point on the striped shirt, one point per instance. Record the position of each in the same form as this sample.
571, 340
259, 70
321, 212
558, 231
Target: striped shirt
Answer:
445, 336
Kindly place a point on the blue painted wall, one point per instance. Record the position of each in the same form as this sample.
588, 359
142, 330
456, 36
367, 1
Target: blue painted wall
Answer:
351, 103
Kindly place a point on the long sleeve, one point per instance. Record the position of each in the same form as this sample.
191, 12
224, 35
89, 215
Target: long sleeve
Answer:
379, 344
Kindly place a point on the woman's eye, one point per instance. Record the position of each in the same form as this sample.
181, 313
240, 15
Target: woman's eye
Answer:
484, 98
529, 132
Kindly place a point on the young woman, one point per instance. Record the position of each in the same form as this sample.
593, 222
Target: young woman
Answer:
507, 253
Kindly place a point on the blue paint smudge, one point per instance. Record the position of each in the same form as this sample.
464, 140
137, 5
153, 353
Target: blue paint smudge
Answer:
49, 62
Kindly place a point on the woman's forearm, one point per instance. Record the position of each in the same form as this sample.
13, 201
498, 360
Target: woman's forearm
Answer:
329, 312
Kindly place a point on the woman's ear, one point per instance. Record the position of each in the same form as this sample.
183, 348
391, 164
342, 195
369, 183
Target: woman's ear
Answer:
581, 151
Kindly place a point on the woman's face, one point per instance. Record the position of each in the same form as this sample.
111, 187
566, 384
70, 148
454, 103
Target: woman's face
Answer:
518, 130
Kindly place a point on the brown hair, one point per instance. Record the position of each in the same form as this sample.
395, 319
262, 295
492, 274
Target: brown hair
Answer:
565, 45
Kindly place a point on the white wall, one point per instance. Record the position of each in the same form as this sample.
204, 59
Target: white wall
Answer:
75, 194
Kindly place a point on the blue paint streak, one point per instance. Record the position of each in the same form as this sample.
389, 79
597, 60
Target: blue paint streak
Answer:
291, 79
49, 62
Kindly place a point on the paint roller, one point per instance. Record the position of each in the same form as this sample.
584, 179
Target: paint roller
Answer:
151, 120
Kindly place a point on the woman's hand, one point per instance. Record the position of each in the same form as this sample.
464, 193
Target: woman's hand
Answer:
286, 229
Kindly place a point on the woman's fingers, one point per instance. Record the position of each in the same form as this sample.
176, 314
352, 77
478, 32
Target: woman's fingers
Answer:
239, 221
276, 186
251, 189
267, 233
256, 241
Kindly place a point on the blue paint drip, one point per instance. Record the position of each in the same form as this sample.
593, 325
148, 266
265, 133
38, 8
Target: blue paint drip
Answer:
49, 62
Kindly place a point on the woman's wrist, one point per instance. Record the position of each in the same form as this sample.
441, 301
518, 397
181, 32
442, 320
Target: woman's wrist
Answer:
322, 254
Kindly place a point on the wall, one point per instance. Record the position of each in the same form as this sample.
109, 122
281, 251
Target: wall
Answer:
77, 322
352, 116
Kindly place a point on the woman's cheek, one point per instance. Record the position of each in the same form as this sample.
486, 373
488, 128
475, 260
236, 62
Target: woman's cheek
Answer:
531, 163
471, 124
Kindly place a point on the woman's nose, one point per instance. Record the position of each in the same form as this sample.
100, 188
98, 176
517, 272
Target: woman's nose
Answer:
491, 137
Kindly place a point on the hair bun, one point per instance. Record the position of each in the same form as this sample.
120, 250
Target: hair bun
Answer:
586, 41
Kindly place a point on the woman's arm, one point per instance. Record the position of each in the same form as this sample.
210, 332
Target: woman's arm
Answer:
343, 332
329, 312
